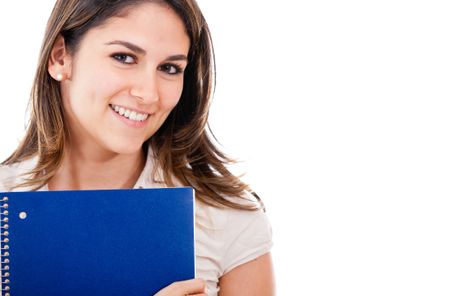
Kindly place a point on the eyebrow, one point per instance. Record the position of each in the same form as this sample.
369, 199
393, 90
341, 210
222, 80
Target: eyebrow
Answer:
139, 50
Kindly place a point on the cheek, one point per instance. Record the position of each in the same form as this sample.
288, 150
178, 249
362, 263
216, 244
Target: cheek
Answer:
86, 97
171, 96
97, 85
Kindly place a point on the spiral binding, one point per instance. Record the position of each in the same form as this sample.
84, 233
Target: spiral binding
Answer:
4, 242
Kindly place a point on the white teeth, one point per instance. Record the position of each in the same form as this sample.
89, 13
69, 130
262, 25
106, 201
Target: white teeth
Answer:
132, 115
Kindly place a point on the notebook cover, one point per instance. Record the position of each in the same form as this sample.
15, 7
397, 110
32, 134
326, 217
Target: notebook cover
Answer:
99, 242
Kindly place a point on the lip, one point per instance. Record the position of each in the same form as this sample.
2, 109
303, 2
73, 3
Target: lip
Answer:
129, 122
132, 109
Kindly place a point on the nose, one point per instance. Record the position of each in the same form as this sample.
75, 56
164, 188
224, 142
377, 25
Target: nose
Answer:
145, 87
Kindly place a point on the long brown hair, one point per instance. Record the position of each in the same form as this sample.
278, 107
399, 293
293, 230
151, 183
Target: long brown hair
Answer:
184, 146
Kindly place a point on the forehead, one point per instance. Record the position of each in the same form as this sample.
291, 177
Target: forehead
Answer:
149, 25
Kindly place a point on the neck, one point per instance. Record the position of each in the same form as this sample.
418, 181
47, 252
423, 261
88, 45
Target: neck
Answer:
81, 170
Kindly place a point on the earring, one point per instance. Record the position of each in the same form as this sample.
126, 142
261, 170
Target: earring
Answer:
59, 77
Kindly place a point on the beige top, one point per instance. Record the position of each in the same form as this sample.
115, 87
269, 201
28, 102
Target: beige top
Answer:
224, 238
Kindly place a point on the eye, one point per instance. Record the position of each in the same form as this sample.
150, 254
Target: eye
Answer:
124, 58
171, 69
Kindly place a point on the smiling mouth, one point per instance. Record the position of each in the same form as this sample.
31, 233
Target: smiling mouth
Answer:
129, 114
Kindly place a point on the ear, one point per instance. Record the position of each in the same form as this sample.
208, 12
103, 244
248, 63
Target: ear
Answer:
60, 61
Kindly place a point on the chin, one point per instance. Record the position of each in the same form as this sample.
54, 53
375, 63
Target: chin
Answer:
128, 148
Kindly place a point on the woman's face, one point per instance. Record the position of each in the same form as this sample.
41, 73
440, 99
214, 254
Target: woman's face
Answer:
125, 78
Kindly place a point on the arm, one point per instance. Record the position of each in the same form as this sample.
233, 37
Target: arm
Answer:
254, 278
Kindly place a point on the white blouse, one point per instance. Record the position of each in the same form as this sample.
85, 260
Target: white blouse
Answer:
224, 238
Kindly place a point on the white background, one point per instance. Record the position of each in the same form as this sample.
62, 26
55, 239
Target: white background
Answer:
340, 110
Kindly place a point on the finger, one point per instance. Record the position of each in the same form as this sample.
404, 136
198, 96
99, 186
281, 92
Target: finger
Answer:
194, 286
189, 287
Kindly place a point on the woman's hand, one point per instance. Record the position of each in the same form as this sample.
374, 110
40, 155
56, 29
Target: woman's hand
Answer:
195, 287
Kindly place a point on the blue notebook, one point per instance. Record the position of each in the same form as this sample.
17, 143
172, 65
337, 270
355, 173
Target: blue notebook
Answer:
96, 242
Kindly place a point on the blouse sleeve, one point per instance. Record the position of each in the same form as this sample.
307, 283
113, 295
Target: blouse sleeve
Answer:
249, 236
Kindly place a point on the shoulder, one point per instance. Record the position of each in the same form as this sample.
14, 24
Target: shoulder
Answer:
11, 175
8, 173
233, 237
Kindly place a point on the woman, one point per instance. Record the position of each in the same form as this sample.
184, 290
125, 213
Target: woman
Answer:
120, 100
